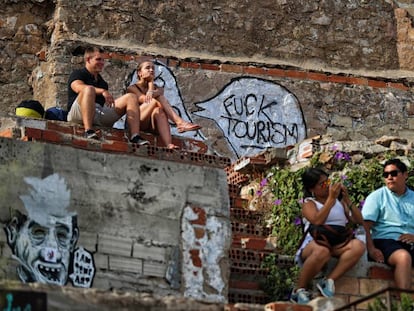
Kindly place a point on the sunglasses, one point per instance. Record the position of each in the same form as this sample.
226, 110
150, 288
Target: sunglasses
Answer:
325, 183
392, 173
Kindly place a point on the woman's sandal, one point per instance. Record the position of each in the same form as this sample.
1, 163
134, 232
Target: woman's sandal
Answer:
187, 126
172, 146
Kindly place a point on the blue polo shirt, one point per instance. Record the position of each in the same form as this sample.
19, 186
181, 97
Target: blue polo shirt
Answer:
393, 215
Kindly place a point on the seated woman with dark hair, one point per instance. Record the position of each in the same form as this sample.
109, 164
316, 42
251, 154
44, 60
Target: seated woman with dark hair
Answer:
325, 217
152, 100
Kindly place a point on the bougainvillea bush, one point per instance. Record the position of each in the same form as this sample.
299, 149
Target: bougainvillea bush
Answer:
284, 215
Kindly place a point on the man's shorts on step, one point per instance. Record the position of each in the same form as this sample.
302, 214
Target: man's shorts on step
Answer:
104, 116
389, 246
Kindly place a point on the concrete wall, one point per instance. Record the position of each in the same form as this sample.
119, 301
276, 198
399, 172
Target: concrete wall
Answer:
142, 224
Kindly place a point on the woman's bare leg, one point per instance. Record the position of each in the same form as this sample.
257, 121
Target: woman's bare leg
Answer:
182, 125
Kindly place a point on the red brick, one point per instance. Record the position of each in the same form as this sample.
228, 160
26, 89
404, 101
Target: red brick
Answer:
33, 133
382, 273
210, 66
120, 56
376, 83
201, 219
195, 257
254, 243
7, 133
115, 146
357, 81
240, 203
107, 55
276, 72
115, 135
231, 68
190, 65
317, 76
83, 143
254, 70
57, 126
41, 55
338, 79
399, 86
199, 233
52, 136
296, 74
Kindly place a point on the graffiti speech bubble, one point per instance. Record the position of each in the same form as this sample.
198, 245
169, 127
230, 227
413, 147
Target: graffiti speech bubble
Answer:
255, 114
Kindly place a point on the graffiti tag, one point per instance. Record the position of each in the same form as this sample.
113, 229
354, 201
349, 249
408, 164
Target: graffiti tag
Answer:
255, 114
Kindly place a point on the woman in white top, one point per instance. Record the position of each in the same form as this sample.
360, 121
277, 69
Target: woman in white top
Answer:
322, 207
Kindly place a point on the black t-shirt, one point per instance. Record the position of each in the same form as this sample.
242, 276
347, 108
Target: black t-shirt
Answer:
85, 76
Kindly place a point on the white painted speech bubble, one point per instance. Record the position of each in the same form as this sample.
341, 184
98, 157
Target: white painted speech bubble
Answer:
255, 114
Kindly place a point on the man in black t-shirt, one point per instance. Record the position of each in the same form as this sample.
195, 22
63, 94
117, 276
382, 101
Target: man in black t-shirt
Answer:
90, 103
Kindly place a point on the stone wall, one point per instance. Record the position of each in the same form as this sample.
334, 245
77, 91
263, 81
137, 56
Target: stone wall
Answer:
111, 220
322, 52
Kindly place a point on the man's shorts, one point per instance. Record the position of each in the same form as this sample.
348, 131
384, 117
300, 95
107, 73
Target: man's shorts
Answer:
104, 116
389, 246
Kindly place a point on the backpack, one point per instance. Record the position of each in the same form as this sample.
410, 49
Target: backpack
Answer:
56, 113
30, 109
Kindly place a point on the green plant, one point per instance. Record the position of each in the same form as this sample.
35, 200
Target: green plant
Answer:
284, 215
279, 281
405, 304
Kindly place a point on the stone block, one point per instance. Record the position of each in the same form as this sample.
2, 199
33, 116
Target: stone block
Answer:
342, 121
125, 264
368, 286
410, 122
347, 285
88, 240
152, 268
149, 252
114, 245
101, 282
6, 251
101, 261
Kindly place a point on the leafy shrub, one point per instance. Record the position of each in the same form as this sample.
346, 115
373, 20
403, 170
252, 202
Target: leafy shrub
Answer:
287, 195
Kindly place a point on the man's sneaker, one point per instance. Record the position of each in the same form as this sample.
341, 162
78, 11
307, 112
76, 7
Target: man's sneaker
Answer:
326, 287
300, 296
90, 134
136, 139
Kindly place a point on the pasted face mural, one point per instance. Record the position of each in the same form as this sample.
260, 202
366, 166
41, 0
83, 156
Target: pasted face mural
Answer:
255, 114
43, 241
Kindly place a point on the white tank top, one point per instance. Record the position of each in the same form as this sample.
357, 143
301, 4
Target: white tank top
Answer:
336, 215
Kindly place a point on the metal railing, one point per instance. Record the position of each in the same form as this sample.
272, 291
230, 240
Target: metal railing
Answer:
390, 293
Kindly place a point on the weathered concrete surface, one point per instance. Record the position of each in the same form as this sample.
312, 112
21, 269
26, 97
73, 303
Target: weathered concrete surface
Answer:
151, 225
76, 299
